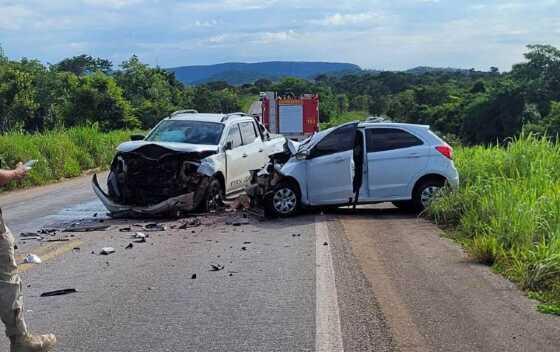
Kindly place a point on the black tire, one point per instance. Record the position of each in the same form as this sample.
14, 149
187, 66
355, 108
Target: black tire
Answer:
283, 201
420, 192
404, 205
214, 197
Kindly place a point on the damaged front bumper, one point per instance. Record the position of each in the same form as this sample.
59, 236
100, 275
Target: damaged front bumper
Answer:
182, 203
264, 181
155, 180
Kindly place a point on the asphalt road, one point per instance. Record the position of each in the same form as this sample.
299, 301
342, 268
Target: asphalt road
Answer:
371, 280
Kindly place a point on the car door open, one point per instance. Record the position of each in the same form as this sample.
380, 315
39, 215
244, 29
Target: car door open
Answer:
330, 167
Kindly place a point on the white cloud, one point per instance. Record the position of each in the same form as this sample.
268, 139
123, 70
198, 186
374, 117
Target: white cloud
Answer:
274, 37
228, 5
116, 4
349, 19
248, 38
14, 17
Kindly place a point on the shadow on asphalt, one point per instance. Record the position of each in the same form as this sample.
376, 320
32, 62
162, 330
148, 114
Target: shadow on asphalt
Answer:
308, 216
377, 211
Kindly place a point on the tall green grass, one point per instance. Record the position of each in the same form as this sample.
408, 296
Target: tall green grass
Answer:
507, 211
60, 154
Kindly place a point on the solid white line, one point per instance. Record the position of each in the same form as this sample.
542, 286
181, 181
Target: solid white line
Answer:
328, 336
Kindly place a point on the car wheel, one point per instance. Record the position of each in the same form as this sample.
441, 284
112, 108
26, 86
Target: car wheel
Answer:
283, 201
425, 193
214, 198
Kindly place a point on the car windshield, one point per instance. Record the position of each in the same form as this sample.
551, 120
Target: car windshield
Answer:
187, 131
311, 141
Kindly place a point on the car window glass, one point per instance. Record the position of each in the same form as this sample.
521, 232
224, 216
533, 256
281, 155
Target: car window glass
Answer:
382, 139
248, 133
340, 140
186, 131
234, 136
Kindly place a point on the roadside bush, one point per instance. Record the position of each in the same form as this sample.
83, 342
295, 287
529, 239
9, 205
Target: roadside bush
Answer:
484, 249
60, 154
507, 210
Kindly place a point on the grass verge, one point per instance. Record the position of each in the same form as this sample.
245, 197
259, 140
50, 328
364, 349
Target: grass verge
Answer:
60, 154
507, 213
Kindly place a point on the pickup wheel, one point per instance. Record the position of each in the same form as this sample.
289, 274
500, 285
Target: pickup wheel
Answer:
214, 197
283, 201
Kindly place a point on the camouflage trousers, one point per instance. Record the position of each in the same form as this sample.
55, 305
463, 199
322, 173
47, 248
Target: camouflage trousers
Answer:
11, 294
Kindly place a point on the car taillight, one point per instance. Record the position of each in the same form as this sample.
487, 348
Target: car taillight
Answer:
446, 151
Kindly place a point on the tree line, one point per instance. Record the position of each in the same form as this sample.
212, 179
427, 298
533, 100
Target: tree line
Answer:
85, 91
469, 106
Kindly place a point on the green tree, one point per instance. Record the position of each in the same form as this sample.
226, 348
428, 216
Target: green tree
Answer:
154, 93
552, 120
495, 117
342, 103
360, 103
84, 65
99, 100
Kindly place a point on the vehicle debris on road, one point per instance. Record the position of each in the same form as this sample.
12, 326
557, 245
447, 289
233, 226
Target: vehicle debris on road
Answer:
59, 292
32, 259
154, 227
237, 220
107, 250
190, 222
86, 226
216, 267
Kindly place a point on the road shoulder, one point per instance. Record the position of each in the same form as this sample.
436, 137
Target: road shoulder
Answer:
434, 298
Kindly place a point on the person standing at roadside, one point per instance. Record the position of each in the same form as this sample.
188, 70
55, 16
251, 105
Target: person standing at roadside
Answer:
11, 294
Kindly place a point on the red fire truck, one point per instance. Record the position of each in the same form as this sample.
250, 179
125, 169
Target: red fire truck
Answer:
294, 117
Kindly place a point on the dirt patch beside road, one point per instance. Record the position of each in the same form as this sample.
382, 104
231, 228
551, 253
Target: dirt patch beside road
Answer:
433, 297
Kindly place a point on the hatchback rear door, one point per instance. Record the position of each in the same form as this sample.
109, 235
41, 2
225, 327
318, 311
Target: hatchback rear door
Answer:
330, 167
395, 157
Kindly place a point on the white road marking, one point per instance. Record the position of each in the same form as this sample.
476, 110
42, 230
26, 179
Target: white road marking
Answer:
328, 336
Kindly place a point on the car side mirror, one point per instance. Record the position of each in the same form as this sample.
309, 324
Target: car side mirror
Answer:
228, 146
302, 155
137, 137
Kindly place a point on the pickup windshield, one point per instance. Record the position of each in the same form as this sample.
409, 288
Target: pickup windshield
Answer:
186, 131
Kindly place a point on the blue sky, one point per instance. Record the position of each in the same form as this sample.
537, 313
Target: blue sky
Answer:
396, 34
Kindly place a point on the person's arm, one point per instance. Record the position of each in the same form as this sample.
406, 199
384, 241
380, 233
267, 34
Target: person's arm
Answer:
16, 174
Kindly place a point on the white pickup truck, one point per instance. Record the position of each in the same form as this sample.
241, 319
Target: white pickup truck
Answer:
188, 161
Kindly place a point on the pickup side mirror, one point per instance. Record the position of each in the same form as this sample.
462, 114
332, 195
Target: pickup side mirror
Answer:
137, 137
228, 145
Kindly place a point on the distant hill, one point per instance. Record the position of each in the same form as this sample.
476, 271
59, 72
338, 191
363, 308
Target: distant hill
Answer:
239, 73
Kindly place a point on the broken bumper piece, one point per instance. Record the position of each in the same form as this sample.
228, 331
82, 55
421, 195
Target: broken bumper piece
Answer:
182, 203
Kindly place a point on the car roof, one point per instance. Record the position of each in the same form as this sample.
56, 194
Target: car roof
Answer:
207, 117
392, 124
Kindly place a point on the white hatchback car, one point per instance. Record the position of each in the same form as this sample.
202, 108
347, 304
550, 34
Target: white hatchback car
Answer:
357, 163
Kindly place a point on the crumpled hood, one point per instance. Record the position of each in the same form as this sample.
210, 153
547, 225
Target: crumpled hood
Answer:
132, 146
293, 146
